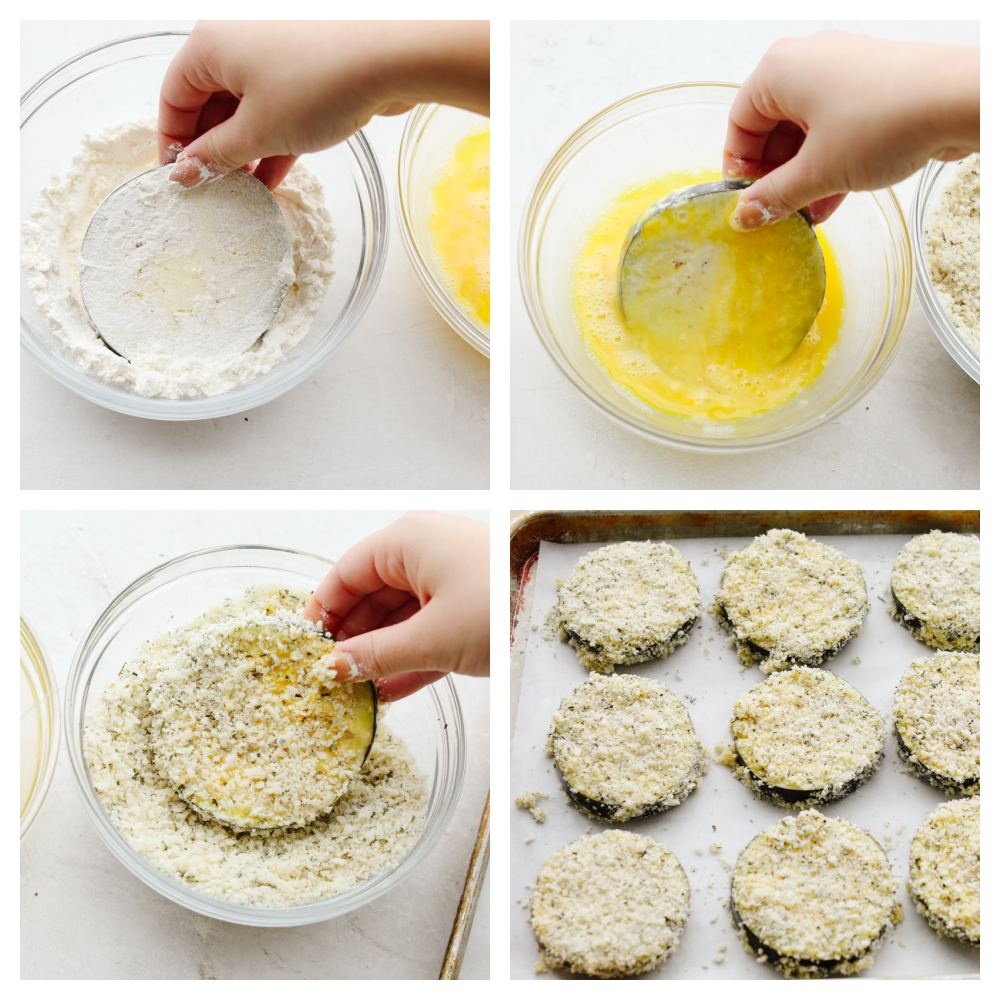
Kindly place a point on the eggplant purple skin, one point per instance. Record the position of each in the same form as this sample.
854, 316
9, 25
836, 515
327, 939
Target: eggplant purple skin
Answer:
374, 697
936, 778
605, 810
759, 652
791, 795
683, 630
909, 620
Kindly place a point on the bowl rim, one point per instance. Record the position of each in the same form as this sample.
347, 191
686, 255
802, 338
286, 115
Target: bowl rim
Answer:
898, 311
444, 698
939, 320
49, 754
374, 243
442, 300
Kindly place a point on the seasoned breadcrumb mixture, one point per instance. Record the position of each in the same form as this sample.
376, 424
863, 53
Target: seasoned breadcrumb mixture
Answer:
944, 870
805, 730
610, 905
627, 603
936, 711
952, 242
935, 589
370, 829
818, 893
788, 600
626, 746
529, 802
249, 728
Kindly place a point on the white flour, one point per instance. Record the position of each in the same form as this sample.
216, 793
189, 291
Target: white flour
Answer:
52, 239
194, 273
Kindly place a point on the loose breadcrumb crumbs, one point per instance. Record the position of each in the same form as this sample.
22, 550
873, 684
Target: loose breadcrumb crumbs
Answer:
529, 801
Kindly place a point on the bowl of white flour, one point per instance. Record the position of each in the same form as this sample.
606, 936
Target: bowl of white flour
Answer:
89, 126
380, 831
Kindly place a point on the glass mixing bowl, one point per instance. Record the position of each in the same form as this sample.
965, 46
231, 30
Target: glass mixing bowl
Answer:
39, 726
430, 721
120, 82
934, 178
680, 127
431, 134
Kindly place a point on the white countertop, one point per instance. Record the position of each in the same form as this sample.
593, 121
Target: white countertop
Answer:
84, 916
404, 403
918, 428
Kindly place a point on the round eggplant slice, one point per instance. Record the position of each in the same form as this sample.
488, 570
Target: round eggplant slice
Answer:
813, 896
935, 590
610, 905
805, 737
628, 603
625, 748
248, 728
936, 712
944, 870
789, 601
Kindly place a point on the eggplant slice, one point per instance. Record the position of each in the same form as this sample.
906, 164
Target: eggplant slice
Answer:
936, 713
789, 601
935, 590
248, 728
625, 747
813, 897
944, 870
627, 603
610, 905
805, 737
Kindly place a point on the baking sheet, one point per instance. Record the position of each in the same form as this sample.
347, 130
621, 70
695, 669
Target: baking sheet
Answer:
707, 675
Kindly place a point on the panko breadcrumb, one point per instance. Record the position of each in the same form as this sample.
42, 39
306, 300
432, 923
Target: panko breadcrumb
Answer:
370, 829
627, 603
610, 905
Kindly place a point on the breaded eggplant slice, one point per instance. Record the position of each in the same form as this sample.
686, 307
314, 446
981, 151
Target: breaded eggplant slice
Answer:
935, 590
789, 601
248, 728
944, 870
936, 713
628, 603
625, 747
813, 896
610, 905
805, 737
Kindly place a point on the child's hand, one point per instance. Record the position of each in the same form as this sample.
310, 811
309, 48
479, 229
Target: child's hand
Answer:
239, 91
410, 604
832, 113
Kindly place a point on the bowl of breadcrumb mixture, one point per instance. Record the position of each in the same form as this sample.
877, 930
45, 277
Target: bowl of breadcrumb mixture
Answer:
89, 126
944, 224
379, 830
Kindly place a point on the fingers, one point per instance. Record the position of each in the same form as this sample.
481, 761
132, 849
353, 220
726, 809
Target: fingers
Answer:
779, 193
747, 134
272, 170
403, 685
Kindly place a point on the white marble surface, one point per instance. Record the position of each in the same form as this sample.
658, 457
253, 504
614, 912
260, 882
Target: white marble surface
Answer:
404, 403
918, 428
84, 916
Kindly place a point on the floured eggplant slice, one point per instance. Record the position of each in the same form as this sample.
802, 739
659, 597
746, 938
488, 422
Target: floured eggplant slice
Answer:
813, 896
936, 712
610, 905
625, 748
944, 870
789, 601
935, 590
804, 737
628, 603
249, 729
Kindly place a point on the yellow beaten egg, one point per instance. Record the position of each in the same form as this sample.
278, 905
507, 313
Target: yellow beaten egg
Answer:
673, 374
460, 224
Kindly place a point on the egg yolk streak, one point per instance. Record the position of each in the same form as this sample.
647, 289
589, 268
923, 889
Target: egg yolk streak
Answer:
460, 224
721, 380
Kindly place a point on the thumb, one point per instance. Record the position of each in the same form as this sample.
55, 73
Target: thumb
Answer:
780, 193
418, 644
218, 152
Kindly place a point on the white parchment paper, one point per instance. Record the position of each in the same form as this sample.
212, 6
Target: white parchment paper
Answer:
707, 675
